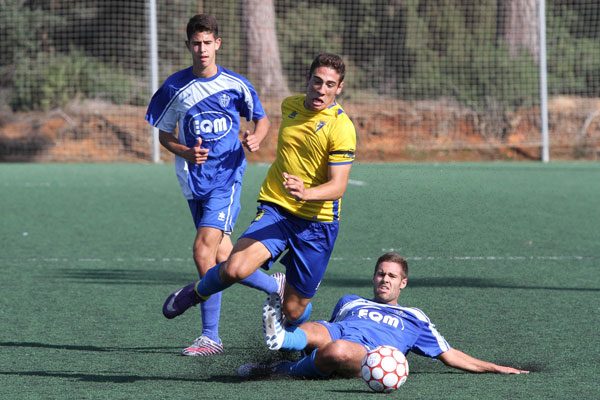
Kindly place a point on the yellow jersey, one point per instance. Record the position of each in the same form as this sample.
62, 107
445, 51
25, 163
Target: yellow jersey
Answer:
308, 142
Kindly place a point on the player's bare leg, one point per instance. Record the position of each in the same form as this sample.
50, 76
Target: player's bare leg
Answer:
294, 305
224, 249
246, 257
341, 356
207, 245
317, 335
210, 244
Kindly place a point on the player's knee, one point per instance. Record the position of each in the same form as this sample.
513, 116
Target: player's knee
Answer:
231, 272
223, 254
203, 259
337, 353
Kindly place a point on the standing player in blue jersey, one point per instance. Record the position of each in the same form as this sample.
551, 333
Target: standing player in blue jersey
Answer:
205, 102
359, 325
300, 198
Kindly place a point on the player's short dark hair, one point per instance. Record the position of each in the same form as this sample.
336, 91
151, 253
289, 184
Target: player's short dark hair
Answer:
330, 60
202, 23
395, 258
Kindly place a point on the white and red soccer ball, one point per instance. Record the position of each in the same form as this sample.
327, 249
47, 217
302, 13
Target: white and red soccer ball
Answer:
384, 369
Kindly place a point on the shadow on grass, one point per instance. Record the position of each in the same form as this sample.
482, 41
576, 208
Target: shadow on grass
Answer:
97, 377
90, 348
451, 282
120, 276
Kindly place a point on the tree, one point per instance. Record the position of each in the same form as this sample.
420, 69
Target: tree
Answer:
518, 24
262, 49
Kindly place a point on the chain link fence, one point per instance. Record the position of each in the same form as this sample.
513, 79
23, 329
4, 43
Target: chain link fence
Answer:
427, 79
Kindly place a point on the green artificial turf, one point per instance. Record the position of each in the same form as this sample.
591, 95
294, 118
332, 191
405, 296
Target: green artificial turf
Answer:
503, 257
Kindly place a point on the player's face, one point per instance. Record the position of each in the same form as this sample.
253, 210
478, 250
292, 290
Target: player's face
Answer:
388, 282
322, 87
203, 47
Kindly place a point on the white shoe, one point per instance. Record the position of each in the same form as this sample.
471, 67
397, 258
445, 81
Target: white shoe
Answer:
272, 327
203, 346
280, 278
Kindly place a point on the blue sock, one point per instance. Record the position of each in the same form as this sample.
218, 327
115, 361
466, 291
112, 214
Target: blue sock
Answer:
304, 317
305, 367
261, 281
211, 311
295, 339
211, 283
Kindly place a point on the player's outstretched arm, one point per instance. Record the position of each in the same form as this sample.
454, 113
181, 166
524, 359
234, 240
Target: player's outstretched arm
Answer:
253, 140
457, 359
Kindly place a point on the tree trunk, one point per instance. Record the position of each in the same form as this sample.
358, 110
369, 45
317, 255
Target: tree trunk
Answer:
262, 50
519, 26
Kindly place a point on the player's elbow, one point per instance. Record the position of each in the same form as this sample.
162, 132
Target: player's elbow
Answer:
263, 124
338, 191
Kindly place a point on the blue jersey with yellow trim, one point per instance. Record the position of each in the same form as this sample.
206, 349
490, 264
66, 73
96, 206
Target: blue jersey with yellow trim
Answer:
308, 143
405, 328
207, 108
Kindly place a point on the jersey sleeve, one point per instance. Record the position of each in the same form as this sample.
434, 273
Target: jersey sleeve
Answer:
258, 111
430, 342
160, 113
251, 108
341, 302
342, 141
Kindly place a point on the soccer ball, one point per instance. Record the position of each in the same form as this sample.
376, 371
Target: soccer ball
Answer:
384, 369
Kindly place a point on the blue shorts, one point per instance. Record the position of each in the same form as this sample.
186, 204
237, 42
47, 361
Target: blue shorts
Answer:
219, 212
340, 331
309, 245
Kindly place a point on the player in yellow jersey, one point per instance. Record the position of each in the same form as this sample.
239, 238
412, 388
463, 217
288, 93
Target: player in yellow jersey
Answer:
299, 199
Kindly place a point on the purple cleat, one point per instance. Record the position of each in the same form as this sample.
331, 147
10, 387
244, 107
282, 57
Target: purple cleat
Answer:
181, 300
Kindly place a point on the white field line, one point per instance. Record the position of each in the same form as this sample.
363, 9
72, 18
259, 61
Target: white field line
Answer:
356, 182
337, 259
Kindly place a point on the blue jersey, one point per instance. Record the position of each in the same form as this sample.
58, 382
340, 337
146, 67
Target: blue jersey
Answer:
209, 108
374, 324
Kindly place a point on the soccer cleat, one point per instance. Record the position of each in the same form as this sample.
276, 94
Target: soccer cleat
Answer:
272, 327
203, 346
258, 370
280, 278
181, 300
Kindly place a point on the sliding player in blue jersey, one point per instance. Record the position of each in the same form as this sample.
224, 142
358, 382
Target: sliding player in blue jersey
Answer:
204, 103
359, 325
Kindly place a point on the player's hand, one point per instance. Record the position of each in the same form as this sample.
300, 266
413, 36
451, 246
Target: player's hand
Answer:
294, 186
196, 154
509, 370
251, 142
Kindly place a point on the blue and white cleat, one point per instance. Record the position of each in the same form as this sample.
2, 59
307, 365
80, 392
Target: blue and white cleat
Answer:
272, 322
181, 300
280, 278
203, 346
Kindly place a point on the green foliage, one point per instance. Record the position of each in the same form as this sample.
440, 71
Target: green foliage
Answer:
301, 42
20, 34
426, 49
573, 62
52, 80
409, 49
